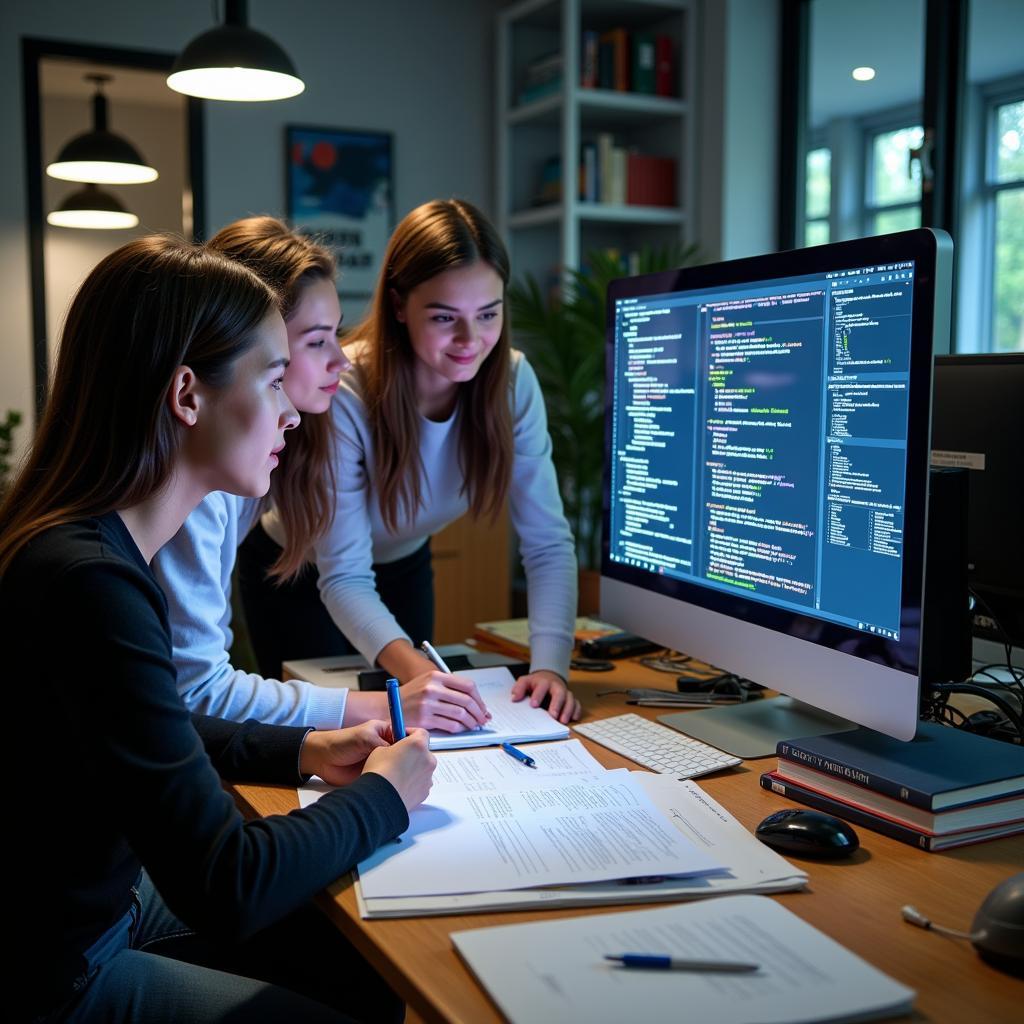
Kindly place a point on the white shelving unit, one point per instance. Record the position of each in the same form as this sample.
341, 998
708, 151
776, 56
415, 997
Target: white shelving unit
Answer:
545, 240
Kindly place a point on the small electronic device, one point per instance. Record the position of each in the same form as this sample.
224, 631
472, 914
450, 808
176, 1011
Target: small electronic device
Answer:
808, 834
997, 932
653, 746
617, 645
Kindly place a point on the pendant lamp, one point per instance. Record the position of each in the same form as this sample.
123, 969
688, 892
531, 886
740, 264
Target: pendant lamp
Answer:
235, 62
99, 155
91, 207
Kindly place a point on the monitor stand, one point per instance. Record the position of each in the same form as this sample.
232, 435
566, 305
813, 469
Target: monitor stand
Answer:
753, 729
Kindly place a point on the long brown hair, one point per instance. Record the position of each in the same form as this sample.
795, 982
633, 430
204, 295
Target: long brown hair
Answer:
302, 486
108, 439
435, 237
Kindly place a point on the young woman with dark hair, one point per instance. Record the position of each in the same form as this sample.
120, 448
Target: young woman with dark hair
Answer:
195, 567
439, 417
142, 879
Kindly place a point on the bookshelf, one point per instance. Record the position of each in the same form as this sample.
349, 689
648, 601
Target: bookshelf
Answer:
546, 117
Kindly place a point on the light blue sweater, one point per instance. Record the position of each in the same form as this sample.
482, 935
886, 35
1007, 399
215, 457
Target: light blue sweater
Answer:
194, 570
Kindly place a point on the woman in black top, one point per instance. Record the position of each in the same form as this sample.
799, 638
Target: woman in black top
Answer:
167, 387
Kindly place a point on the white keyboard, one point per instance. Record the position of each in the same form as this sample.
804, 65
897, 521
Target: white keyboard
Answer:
656, 746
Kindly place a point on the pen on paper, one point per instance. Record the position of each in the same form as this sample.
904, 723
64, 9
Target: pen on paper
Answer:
519, 755
436, 658
659, 962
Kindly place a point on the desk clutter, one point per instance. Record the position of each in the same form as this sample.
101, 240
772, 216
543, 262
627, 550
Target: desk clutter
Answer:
944, 789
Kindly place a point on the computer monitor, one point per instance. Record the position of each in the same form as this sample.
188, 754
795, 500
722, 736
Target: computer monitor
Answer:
766, 476
978, 424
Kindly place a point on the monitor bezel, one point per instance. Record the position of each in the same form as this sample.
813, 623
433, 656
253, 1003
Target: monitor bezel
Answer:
923, 246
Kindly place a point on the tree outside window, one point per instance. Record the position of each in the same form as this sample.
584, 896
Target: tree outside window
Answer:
818, 200
1007, 190
894, 182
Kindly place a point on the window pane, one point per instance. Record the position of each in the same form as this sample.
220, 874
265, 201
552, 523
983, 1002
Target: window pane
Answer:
896, 220
819, 184
1010, 140
816, 232
890, 155
1008, 294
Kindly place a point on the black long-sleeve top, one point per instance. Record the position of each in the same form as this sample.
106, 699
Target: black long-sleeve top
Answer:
109, 770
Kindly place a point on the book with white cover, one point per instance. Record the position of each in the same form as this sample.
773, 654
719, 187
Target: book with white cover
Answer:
553, 971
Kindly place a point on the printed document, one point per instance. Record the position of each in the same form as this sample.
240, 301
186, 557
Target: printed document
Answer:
532, 832
549, 972
752, 866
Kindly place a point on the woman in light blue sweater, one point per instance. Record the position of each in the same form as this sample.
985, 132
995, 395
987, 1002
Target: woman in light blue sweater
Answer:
195, 568
439, 417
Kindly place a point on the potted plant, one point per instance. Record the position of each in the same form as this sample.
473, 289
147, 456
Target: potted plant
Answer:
7, 428
564, 337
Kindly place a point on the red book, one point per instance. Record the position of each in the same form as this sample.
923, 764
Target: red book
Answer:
650, 180
664, 67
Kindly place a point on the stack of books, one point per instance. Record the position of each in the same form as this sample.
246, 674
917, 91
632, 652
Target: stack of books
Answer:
612, 174
642, 62
541, 77
945, 788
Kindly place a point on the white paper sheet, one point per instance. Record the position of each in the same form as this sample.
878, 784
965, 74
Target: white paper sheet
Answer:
751, 865
538, 831
549, 972
510, 722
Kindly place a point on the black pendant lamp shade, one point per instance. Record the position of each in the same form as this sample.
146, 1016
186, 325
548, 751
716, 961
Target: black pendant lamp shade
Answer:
91, 207
99, 155
235, 62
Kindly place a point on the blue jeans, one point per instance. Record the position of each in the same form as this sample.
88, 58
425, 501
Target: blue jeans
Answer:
151, 968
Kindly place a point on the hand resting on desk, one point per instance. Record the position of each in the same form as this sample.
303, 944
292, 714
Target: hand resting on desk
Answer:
563, 705
339, 756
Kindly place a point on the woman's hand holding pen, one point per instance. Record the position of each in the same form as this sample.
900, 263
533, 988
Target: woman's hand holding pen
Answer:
563, 705
408, 765
439, 700
337, 755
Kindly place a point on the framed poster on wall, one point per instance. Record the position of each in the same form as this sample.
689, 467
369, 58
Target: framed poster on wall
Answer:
340, 190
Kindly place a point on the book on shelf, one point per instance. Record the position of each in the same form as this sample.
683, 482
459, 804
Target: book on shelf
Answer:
941, 768
541, 77
549, 187
589, 59
644, 64
589, 183
664, 66
650, 180
617, 42
886, 826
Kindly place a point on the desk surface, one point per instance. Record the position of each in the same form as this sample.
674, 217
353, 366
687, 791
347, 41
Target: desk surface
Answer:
857, 902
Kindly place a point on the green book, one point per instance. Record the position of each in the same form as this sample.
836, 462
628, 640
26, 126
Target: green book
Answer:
644, 64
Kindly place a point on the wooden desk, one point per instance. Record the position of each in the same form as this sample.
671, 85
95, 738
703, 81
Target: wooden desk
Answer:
857, 902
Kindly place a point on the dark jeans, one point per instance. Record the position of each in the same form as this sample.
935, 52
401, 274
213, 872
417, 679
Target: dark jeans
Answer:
288, 621
151, 968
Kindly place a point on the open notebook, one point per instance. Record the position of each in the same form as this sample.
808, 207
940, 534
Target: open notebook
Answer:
511, 723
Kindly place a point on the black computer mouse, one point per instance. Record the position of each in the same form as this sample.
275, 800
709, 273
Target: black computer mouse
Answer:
808, 834
998, 929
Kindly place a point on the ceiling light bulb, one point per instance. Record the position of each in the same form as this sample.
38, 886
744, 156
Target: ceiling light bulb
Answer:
864, 74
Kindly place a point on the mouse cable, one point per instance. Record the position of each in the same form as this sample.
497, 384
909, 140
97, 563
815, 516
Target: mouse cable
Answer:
914, 916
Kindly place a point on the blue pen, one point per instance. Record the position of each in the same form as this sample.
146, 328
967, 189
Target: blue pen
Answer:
671, 963
519, 755
395, 710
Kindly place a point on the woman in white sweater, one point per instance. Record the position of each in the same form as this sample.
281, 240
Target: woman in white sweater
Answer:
439, 417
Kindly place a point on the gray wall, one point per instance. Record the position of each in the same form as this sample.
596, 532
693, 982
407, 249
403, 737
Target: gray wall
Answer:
421, 70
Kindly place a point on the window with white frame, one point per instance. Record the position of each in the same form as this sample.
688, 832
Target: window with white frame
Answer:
893, 180
1004, 195
818, 198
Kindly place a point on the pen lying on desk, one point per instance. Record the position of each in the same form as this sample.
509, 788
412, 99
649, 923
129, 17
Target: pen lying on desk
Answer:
519, 755
671, 963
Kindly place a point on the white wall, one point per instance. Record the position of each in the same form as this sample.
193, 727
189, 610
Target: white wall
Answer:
421, 70
738, 128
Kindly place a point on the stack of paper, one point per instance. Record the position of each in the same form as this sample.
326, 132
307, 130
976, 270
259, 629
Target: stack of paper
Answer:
485, 840
555, 971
